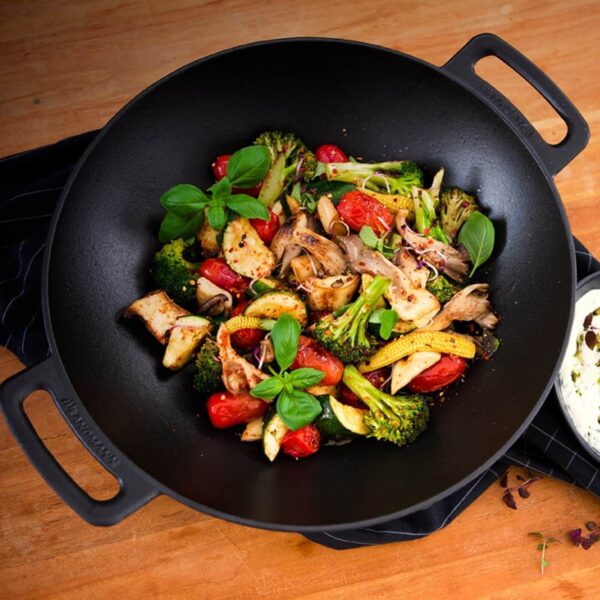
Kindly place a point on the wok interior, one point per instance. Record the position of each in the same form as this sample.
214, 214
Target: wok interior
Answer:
377, 105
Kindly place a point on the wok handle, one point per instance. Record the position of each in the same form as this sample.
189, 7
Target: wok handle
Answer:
135, 490
553, 156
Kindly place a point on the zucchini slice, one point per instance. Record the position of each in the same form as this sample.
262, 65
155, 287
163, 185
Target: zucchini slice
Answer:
262, 286
328, 424
245, 252
349, 417
273, 431
274, 304
184, 339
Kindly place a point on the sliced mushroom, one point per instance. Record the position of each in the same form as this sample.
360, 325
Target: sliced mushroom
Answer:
405, 370
330, 218
239, 376
470, 304
217, 305
303, 267
283, 245
417, 274
207, 291
158, 312
330, 293
328, 254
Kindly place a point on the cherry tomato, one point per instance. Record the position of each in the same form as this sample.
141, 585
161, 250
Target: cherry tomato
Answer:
377, 378
445, 371
246, 339
266, 229
227, 410
359, 210
218, 271
219, 168
302, 442
312, 355
328, 153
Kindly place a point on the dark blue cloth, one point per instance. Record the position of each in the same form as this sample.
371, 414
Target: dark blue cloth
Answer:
30, 185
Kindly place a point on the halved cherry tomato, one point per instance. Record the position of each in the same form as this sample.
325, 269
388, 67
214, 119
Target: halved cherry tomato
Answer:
219, 168
246, 339
445, 371
377, 378
226, 410
302, 442
266, 229
359, 210
312, 355
218, 271
329, 153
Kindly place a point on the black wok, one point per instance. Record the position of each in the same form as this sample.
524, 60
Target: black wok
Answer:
149, 428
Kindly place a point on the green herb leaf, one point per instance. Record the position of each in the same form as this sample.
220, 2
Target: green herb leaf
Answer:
217, 217
184, 200
297, 408
545, 563
477, 235
285, 336
267, 389
305, 377
247, 206
173, 226
536, 534
388, 319
221, 190
367, 235
248, 166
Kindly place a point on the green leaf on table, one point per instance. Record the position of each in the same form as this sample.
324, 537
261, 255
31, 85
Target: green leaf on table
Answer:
248, 166
477, 235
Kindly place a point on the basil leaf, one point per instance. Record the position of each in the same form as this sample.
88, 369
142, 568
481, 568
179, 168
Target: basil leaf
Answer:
388, 320
285, 336
248, 166
184, 200
247, 206
267, 389
297, 408
477, 235
217, 217
303, 378
220, 190
367, 235
173, 226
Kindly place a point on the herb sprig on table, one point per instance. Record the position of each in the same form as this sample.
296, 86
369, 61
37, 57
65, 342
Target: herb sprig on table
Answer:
186, 204
542, 546
295, 405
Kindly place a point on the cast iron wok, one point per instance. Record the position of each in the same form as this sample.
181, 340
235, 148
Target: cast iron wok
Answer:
149, 428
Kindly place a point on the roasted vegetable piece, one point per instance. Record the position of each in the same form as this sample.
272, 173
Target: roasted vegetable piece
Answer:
442, 289
246, 339
377, 378
394, 202
274, 429
291, 161
455, 208
174, 274
218, 272
253, 431
158, 312
274, 304
330, 293
418, 341
312, 355
408, 368
207, 377
226, 409
340, 422
359, 210
346, 336
328, 153
185, 336
396, 419
266, 229
444, 372
245, 252
301, 443
389, 177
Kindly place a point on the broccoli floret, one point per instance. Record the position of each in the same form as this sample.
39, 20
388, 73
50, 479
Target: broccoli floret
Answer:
396, 419
207, 378
346, 336
291, 161
442, 289
390, 177
173, 273
455, 208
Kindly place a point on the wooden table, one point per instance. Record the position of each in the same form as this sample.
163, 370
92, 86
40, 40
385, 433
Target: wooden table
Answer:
67, 67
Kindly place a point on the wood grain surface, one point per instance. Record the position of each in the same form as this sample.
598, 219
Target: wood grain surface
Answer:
66, 68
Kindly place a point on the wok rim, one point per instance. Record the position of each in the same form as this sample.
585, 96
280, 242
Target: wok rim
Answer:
476, 475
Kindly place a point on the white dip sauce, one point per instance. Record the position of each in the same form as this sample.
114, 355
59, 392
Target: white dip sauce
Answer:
579, 376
